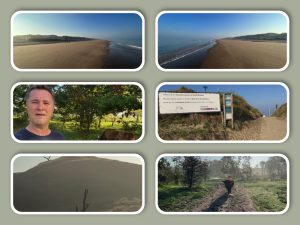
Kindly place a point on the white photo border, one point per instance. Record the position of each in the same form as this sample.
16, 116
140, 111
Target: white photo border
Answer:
76, 83
223, 141
78, 11
77, 154
222, 213
222, 11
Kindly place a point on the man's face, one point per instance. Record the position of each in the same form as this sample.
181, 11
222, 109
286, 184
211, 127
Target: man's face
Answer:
40, 107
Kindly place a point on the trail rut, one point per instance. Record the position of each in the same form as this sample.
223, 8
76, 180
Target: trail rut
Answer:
219, 201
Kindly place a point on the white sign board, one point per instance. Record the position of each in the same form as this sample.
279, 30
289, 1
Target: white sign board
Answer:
171, 103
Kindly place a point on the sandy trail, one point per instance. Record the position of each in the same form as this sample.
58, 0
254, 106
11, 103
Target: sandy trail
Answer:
219, 201
265, 128
273, 128
71, 55
240, 54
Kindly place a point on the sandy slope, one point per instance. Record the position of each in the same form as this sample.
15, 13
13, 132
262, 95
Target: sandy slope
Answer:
239, 54
59, 184
71, 55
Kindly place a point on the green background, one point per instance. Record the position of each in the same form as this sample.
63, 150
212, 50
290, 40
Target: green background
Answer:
149, 76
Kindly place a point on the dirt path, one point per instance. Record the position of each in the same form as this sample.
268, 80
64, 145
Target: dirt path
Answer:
219, 201
273, 128
265, 128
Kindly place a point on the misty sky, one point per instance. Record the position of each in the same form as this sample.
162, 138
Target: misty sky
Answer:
92, 25
219, 25
24, 163
262, 97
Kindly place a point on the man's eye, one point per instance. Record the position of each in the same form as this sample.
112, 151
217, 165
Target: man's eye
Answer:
46, 103
34, 102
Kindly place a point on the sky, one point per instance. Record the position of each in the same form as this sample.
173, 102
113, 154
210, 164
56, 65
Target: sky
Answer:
24, 163
219, 25
254, 159
262, 97
107, 26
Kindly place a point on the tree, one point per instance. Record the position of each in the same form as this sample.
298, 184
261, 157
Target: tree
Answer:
164, 171
231, 166
262, 166
204, 170
190, 167
19, 102
85, 103
246, 167
276, 168
47, 158
177, 173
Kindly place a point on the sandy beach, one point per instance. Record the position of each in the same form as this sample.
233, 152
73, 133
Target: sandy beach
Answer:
71, 55
240, 54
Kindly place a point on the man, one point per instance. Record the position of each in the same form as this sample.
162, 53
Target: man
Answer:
229, 184
40, 106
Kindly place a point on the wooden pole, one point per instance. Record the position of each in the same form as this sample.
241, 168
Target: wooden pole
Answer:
231, 111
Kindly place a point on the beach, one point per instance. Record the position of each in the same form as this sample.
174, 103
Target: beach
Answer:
240, 54
71, 55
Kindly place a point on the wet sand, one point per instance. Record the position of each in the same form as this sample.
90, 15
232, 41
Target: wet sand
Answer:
240, 54
71, 55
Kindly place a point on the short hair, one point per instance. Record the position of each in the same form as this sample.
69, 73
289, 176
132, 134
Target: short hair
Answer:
39, 87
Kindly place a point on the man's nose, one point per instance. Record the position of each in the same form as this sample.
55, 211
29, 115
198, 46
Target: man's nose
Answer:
40, 106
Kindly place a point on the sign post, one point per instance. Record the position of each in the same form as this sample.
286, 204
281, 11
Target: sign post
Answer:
228, 108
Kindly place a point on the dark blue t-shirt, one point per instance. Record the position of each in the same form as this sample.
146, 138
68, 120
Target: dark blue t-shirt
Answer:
25, 134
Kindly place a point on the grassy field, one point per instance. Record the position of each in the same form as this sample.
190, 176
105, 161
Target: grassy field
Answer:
268, 196
71, 131
178, 198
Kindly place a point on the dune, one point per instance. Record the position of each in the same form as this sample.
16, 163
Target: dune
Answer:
71, 55
58, 186
240, 54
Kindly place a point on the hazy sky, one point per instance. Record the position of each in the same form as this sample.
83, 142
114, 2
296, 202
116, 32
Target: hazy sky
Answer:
92, 25
262, 97
219, 25
24, 163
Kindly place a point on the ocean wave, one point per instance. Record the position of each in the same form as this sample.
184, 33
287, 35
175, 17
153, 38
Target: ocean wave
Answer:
137, 47
130, 46
183, 53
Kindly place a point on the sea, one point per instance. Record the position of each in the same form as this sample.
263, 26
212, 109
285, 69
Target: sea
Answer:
183, 53
124, 54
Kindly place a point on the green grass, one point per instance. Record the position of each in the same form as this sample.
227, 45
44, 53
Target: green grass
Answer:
175, 198
71, 131
268, 196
